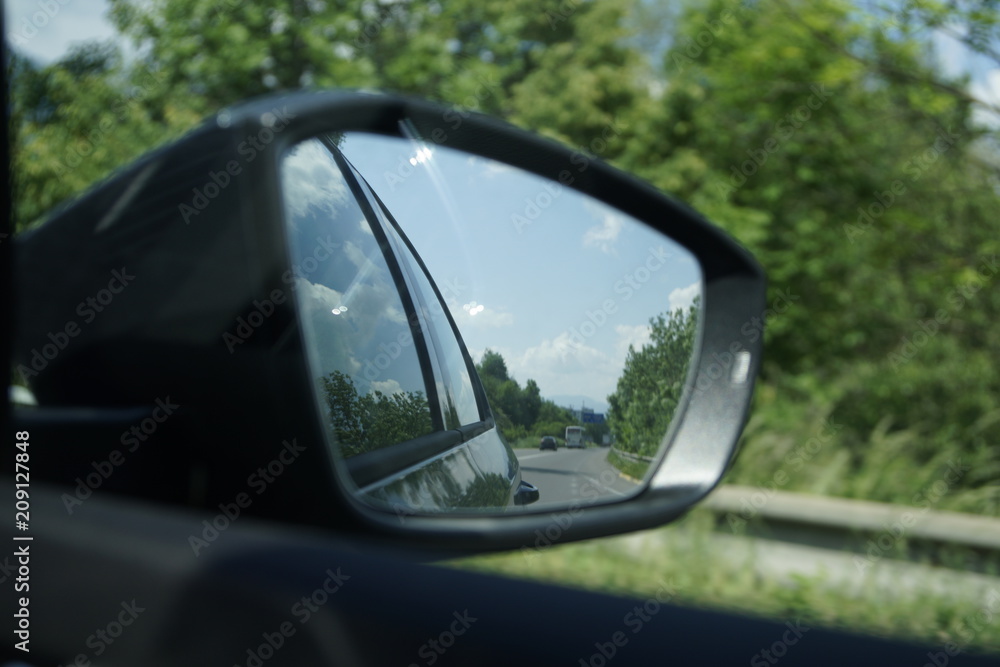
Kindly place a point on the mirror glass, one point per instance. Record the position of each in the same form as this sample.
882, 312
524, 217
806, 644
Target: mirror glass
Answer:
578, 322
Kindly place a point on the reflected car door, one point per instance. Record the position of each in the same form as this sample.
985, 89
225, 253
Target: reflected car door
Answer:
405, 410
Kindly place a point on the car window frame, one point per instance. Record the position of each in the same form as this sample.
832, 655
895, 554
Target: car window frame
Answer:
375, 465
416, 263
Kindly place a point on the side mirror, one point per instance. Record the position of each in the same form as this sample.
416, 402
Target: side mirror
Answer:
324, 270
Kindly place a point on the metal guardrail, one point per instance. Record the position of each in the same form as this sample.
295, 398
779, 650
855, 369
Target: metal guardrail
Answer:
916, 533
632, 457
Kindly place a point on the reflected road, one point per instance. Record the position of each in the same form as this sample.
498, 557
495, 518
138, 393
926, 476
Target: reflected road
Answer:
567, 475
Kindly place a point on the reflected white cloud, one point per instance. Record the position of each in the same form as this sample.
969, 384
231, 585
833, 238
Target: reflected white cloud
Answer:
636, 336
604, 235
482, 318
567, 365
682, 297
311, 180
387, 387
326, 339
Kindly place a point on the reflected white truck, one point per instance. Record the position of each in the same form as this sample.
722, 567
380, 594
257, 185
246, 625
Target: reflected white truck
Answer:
574, 436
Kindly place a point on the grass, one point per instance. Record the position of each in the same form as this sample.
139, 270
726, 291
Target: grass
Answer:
527, 442
794, 444
885, 463
685, 557
634, 469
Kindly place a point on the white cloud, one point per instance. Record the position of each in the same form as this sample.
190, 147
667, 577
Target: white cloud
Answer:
565, 365
562, 353
311, 180
636, 336
324, 331
682, 297
484, 318
603, 235
387, 387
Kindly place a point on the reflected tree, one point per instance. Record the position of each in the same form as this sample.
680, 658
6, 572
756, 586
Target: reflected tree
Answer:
361, 423
491, 490
652, 382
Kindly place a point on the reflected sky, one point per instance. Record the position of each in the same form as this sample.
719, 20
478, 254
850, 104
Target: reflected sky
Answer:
355, 321
558, 283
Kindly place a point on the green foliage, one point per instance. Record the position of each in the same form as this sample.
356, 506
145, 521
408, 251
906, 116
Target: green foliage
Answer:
596, 432
519, 411
795, 441
362, 423
489, 490
828, 142
79, 119
557, 429
822, 135
493, 366
530, 402
634, 469
650, 387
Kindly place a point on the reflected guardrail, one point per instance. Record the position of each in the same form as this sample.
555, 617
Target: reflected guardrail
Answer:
632, 457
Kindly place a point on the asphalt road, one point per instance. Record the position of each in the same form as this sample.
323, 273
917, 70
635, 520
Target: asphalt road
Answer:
567, 475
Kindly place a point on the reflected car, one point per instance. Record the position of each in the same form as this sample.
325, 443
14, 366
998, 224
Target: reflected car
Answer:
409, 417
548, 442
